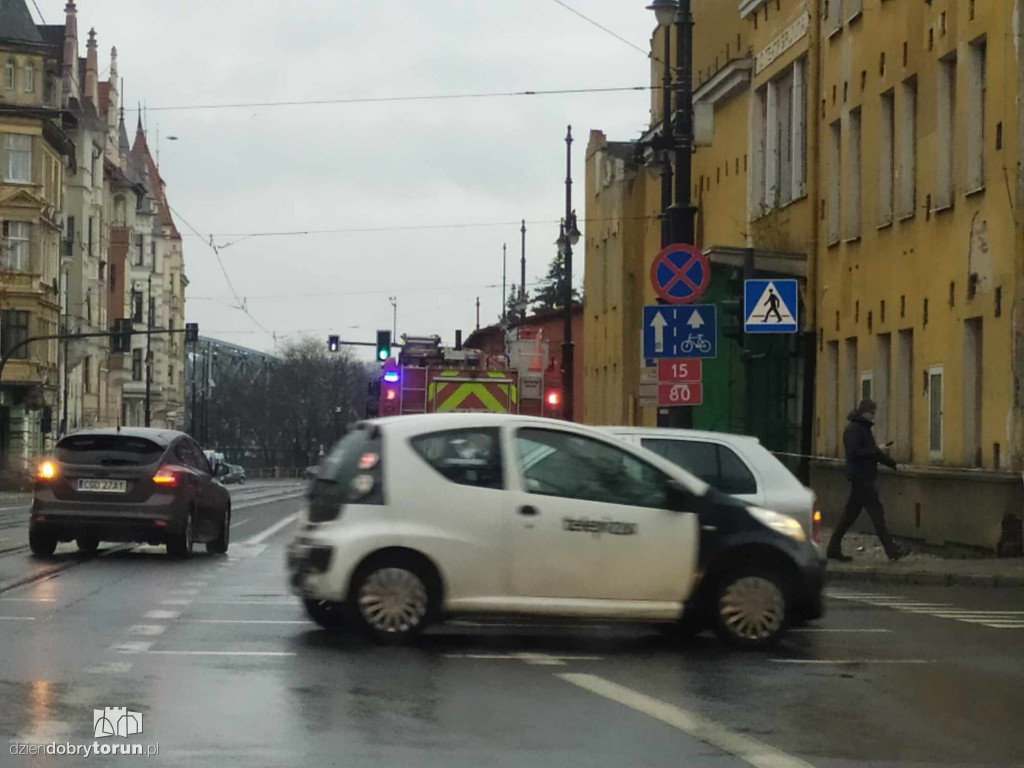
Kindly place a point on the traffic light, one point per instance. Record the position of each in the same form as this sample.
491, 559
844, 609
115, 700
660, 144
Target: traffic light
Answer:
191, 333
383, 345
373, 400
121, 336
333, 343
553, 394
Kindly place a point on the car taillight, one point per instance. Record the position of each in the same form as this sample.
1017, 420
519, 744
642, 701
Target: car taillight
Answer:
166, 477
47, 470
816, 527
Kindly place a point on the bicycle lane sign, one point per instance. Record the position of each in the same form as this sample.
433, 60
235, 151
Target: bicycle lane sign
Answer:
681, 330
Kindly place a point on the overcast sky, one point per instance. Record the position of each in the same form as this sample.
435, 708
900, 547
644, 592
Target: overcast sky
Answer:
358, 166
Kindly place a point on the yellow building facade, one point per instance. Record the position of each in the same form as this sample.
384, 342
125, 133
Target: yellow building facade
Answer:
869, 148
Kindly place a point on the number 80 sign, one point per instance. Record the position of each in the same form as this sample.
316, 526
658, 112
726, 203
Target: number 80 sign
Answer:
688, 393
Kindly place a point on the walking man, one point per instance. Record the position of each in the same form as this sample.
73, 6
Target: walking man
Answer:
862, 458
773, 306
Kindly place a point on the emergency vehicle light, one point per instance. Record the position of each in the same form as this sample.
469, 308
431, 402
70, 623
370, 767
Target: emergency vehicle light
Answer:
391, 395
554, 397
391, 377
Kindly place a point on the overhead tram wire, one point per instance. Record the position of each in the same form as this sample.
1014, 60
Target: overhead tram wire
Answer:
603, 28
397, 99
241, 302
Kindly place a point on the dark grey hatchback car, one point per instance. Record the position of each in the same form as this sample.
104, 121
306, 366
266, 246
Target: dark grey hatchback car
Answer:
129, 485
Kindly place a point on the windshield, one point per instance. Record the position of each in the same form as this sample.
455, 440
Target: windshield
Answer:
107, 450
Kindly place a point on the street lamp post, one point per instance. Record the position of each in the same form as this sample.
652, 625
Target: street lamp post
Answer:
678, 214
568, 236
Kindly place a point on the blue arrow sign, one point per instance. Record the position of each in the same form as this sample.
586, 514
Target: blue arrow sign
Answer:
689, 330
770, 306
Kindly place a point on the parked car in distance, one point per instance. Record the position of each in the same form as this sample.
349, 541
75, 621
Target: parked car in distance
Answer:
141, 485
734, 464
419, 518
231, 473
311, 472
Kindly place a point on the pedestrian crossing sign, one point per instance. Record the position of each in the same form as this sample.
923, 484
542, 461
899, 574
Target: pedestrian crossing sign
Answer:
770, 306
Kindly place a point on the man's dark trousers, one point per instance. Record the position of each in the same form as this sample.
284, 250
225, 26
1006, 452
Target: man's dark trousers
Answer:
863, 495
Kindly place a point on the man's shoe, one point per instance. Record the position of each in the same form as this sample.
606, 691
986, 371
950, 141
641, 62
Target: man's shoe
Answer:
899, 554
840, 557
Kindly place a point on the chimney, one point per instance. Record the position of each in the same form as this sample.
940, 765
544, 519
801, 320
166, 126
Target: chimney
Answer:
458, 340
69, 70
92, 70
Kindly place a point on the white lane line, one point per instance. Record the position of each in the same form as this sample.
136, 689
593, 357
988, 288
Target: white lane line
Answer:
868, 631
17, 618
750, 750
853, 661
580, 625
28, 600
239, 621
136, 647
242, 522
111, 668
289, 603
221, 653
193, 583
281, 524
147, 630
163, 615
176, 601
183, 592
11, 509
542, 659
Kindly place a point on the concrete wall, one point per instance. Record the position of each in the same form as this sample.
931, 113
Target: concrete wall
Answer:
938, 506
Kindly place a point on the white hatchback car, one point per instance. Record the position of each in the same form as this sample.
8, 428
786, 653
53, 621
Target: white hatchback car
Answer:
417, 518
734, 464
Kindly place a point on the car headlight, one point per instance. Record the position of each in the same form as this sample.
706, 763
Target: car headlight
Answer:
781, 523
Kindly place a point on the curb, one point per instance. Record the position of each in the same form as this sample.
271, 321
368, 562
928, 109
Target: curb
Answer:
879, 576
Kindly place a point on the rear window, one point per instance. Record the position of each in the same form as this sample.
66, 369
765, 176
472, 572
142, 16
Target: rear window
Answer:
107, 450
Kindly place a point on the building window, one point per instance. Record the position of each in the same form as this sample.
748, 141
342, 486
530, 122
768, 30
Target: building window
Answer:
973, 390
832, 399
835, 15
834, 180
137, 364
17, 158
853, 201
904, 394
136, 307
851, 383
781, 139
30, 78
946, 118
881, 387
140, 254
886, 159
13, 331
9, 75
975, 115
867, 385
87, 375
854, 9
935, 411
17, 246
906, 170
92, 227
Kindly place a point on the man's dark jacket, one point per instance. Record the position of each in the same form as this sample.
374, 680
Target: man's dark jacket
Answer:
862, 452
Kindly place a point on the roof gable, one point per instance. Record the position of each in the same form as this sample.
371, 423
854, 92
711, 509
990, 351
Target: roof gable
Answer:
16, 22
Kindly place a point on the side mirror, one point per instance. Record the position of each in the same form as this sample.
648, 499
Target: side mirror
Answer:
677, 497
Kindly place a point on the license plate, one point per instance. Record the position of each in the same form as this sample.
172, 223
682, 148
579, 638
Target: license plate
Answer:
103, 486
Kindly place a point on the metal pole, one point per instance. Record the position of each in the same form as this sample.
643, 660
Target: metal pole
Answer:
478, 313
567, 345
195, 376
67, 318
149, 347
394, 317
504, 272
668, 141
522, 271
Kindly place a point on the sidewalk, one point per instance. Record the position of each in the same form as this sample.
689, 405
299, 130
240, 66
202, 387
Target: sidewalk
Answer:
952, 566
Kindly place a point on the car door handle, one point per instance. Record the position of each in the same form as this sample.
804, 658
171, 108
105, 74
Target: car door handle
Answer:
528, 511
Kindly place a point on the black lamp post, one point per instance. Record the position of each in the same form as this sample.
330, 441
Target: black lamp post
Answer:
568, 236
678, 214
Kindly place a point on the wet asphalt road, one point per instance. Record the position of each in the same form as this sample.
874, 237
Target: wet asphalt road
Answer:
223, 666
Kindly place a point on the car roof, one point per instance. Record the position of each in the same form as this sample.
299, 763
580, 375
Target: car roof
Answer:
698, 434
162, 437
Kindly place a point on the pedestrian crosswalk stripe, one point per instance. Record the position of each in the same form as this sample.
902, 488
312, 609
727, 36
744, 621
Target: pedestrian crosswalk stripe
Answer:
995, 619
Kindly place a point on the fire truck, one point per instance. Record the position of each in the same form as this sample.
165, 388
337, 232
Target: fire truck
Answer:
427, 377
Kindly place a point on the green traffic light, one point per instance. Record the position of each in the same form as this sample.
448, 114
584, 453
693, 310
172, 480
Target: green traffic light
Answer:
382, 355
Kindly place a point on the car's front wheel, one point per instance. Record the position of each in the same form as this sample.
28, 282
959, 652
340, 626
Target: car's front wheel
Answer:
219, 546
42, 544
750, 607
88, 543
391, 601
180, 546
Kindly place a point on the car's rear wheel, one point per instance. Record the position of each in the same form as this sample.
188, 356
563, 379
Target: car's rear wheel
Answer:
219, 546
42, 544
750, 607
180, 546
390, 600
88, 543
327, 613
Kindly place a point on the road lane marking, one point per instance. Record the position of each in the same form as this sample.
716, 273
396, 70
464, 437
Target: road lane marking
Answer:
536, 659
193, 583
879, 631
221, 653
853, 661
163, 614
134, 647
147, 630
183, 592
281, 524
567, 625
175, 601
240, 621
111, 668
291, 603
748, 749
28, 600
995, 619
17, 618
242, 522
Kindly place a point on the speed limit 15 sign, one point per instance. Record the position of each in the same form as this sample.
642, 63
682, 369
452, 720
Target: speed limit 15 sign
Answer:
680, 393
679, 369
